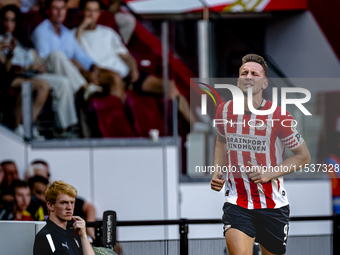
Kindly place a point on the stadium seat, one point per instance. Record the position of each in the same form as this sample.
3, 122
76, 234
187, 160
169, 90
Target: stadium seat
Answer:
112, 117
145, 112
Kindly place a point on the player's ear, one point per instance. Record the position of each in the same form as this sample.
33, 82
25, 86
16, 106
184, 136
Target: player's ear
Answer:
50, 207
265, 83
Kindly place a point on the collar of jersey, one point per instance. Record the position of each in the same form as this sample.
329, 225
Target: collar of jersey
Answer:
259, 108
56, 228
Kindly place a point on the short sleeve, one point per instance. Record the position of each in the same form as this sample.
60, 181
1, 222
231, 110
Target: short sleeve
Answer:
288, 131
117, 43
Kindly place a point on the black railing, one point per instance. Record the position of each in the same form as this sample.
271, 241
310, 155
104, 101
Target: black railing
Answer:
184, 227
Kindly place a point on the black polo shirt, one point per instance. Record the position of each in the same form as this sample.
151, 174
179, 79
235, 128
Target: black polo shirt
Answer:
55, 240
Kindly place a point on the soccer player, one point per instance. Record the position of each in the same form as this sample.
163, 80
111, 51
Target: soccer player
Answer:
55, 237
252, 149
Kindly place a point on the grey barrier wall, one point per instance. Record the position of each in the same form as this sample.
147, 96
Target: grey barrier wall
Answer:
18, 237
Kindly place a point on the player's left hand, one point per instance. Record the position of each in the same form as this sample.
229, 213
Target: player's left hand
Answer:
257, 173
79, 225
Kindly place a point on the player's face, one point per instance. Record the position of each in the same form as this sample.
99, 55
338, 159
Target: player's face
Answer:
252, 75
11, 173
38, 190
22, 198
63, 207
57, 11
92, 11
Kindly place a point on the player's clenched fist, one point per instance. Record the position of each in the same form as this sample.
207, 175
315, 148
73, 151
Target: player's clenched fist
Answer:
217, 181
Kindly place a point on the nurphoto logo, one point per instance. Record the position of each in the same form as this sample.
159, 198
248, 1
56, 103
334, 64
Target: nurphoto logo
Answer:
238, 100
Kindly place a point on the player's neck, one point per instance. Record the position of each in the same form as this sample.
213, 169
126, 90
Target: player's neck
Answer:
257, 100
58, 222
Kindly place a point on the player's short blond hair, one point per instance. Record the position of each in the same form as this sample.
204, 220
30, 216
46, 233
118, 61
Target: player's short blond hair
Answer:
59, 187
257, 59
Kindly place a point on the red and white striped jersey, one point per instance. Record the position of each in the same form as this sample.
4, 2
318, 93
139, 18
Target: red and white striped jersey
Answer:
260, 139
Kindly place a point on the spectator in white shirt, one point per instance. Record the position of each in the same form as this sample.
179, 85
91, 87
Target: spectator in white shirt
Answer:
105, 46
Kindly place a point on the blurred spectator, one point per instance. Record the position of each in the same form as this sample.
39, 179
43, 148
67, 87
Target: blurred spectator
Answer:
11, 173
63, 54
22, 199
104, 45
29, 5
13, 80
37, 207
25, 62
38, 167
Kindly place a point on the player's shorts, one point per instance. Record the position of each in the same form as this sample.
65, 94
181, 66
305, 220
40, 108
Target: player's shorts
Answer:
268, 226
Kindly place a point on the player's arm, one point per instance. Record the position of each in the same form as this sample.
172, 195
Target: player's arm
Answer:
300, 159
80, 226
217, 180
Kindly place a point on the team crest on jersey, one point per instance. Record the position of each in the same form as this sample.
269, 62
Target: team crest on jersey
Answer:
260, 126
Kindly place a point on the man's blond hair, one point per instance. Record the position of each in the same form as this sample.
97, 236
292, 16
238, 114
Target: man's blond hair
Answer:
59, 187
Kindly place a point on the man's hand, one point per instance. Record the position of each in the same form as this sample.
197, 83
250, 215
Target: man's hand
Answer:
79, 225
134, 75
217, 181
86, 22
4, 44
258, 174
40, 68
95, 69
94, 74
